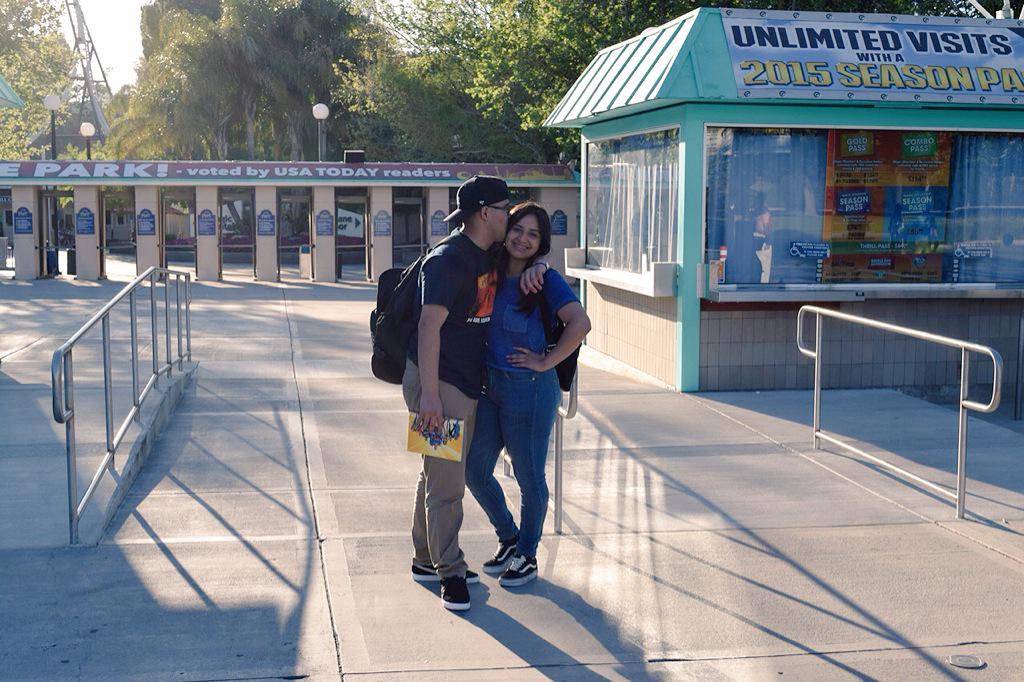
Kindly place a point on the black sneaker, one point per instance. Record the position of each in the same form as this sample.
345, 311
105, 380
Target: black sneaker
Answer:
454, 593
520, 571
426, 574
501, 556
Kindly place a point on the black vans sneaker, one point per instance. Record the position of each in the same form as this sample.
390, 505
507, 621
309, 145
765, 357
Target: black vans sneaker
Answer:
454, 593
520, 571
506, 548
426, 574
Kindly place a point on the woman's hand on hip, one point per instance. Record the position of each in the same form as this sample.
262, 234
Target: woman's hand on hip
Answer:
527, 359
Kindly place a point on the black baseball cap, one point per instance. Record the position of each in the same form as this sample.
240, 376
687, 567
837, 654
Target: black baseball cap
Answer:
475, 193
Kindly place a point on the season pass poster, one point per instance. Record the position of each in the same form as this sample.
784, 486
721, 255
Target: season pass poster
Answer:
886, 194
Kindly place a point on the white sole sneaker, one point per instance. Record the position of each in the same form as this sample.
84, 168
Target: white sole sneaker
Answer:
451, 606
497, 569
516, 582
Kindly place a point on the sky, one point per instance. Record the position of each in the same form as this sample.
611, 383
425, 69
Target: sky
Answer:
114, 25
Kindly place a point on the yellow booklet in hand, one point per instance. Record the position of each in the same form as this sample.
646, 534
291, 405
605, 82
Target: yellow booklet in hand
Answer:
447, 443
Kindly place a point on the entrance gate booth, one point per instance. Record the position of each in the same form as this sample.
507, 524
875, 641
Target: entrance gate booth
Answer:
117, 238
352, 250
178, 228
57, 214
237, 232
294, 210
251, 220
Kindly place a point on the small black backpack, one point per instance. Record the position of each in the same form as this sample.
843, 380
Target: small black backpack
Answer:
566, 369
394, 320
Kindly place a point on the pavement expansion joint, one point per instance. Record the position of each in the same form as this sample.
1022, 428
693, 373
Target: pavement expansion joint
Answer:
309, 485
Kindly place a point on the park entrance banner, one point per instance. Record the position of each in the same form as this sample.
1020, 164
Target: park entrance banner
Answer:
819, 55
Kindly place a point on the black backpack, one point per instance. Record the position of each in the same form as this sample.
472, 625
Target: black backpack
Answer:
553, 329
394, 320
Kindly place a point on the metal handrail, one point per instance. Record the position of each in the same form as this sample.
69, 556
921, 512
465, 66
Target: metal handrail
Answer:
965, 347
63, 381
565, 412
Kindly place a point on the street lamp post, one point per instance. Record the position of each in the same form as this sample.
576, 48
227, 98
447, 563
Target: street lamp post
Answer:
87, 130
320, 113
52, 102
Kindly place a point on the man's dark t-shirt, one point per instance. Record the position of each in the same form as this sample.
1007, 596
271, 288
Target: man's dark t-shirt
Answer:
460, 276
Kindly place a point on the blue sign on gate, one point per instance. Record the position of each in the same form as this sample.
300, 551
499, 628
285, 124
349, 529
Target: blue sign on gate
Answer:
265, 224
207, 223
559, 223
85, 221
324, 224
23, 221
145, 223
438, 227
382, 224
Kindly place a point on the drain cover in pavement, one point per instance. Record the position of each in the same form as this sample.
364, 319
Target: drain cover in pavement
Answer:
966, 661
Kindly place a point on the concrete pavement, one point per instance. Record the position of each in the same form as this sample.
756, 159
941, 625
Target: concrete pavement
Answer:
267, 536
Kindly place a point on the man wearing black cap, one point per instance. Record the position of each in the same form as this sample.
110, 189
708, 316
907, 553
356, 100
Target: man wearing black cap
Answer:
444, 373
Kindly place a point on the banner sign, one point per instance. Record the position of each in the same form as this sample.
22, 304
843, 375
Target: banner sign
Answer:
324, 224
85, 221
559, 223
145, 223
207, 223
382, 224
438, 227
350, 227
809, 249
265, 223
886, 193
272, 172
818, 55
23, 221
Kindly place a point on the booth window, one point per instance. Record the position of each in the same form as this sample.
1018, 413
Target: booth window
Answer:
632, 201
797, 206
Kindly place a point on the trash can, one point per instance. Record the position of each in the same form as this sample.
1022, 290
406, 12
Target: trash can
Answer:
51, 262
305, 262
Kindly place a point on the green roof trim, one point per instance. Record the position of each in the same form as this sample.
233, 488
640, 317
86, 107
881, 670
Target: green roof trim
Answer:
8, 97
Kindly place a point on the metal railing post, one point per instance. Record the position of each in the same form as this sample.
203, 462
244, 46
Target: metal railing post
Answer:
818, 343
1018, 395
559, 425
188, 315
63, 382
965, 348
68, 406
135, 355
152, 321
167, 321
108, 388
961, 447
177, 305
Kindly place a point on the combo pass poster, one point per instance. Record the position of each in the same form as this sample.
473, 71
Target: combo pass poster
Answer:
888, 187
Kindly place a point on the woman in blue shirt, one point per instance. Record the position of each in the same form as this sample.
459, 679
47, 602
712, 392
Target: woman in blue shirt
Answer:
522, 393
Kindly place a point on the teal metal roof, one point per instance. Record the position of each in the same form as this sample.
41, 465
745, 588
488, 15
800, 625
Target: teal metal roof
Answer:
634, 75
8, 97
688, 60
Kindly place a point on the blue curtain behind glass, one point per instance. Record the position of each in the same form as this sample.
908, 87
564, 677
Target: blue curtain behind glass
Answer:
754, 171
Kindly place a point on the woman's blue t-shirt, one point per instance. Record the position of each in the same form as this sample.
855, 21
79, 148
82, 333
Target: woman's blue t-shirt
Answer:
510, 328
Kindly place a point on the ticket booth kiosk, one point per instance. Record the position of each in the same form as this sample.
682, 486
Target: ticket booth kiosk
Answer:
740, 163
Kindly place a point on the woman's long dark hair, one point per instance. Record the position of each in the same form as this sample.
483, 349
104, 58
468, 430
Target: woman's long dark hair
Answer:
527, 302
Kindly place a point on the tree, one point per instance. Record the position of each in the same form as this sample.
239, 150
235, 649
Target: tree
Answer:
36, 61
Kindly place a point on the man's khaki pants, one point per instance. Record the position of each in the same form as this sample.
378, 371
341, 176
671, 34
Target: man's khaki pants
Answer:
437, 516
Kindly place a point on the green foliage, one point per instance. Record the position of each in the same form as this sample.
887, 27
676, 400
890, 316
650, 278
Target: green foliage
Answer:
36, 61
232, 78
